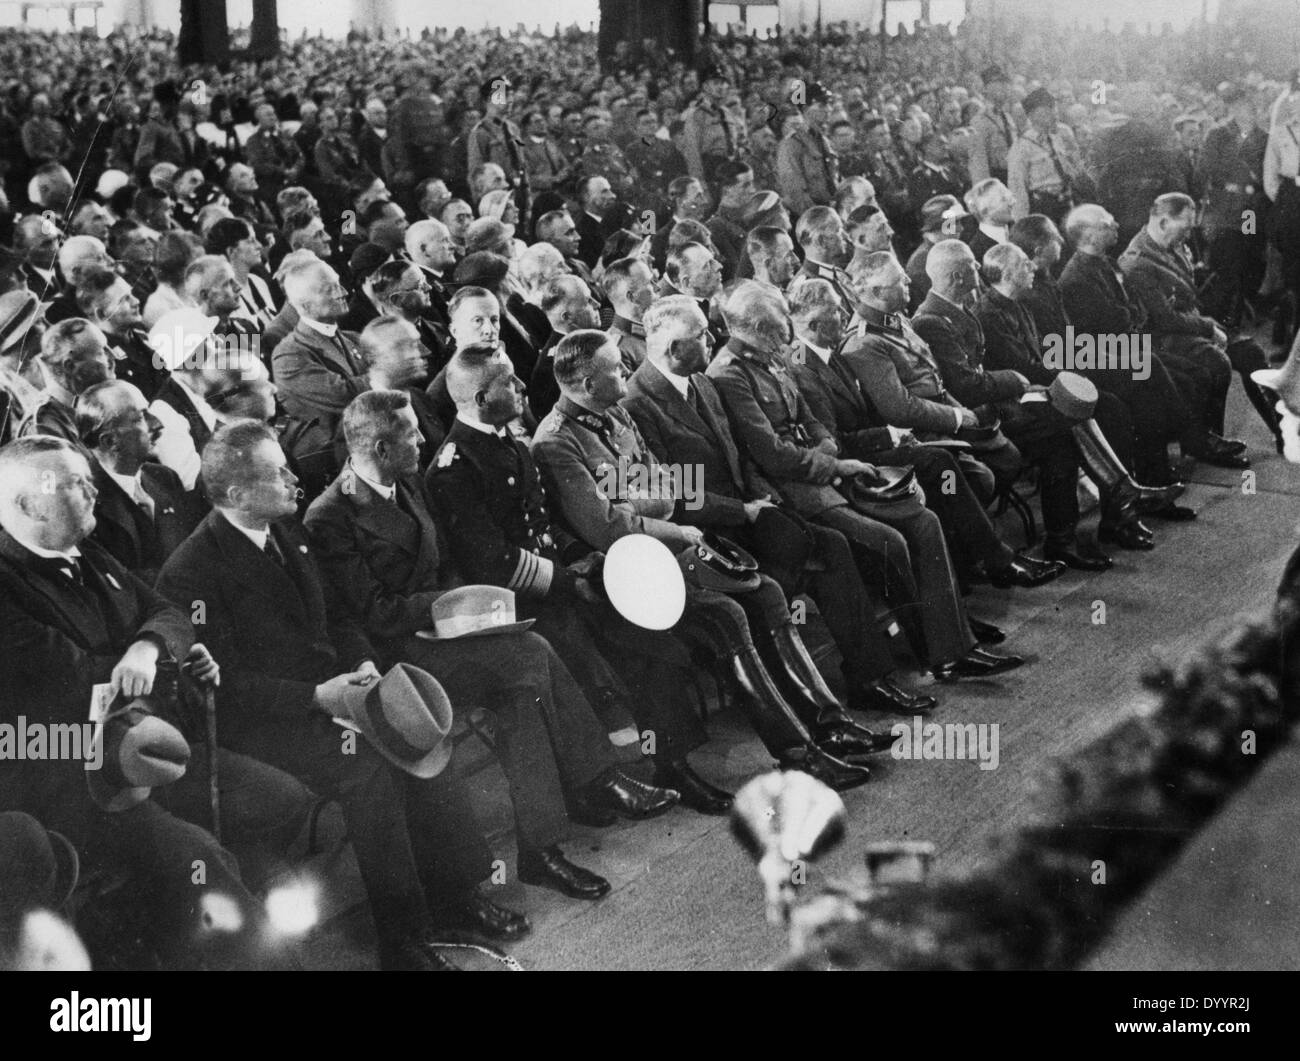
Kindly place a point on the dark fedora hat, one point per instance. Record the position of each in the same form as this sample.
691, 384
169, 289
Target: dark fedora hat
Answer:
137, 752
38, 867
405, 715
719, 563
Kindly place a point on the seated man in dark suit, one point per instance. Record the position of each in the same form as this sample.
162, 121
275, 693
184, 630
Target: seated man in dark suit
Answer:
690, 429
956, 340
248, 571
74, 357
142, 512
396, 359
377, 548
1128, 371
1104, 441
569, 306
75, 618
1096, 302
317, 367
836, 400
399, 289
490, 501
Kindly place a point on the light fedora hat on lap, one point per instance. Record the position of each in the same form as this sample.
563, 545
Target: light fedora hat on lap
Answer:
474, 611
405, 715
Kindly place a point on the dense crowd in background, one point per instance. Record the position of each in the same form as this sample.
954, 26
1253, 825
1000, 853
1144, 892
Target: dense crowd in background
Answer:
310, 365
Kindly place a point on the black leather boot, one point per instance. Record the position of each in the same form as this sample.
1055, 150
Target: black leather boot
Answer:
1116, 484
779, 727
812, 700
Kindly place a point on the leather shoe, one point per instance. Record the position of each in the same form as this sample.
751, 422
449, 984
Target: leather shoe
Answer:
884, 695
1228, 445
1071, 557
976, 664
1224, 460
1025, 571
625, 796
825, 768
414, 956
1132, 536
549, 868
850, 745
478, 914
985, 633
1175, 513
696, 793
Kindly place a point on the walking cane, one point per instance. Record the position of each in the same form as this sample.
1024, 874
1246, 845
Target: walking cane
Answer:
210, 725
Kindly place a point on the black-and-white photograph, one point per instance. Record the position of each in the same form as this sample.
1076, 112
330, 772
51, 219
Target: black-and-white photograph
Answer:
650, 485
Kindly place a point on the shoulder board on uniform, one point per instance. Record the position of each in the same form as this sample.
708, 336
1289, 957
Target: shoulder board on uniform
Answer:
446, 455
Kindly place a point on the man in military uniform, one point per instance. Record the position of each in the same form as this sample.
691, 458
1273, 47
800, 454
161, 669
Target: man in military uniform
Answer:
495, 138
274, 156
655, 163
905, 559
629, 286
889, 180
1233, 177
820, 366
491, 504
1198, 353
678, 410
993, 130
579, 448
1043, 165
712, 133
826, 248
807, 167
603, 158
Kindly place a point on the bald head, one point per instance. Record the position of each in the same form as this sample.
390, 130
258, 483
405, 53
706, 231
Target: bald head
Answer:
79, 253
429, 245
951, 268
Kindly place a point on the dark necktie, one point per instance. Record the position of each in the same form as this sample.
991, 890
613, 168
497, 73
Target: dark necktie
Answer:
273, 551
60, 567
692, 398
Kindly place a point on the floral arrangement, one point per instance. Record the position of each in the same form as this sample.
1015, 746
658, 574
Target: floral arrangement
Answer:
1127, 802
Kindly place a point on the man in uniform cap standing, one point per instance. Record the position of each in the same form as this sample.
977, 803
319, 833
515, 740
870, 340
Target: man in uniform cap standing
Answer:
807, 167
993, 130
1043, 165
712, 135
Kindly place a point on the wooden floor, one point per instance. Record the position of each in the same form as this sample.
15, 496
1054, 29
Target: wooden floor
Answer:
685, 897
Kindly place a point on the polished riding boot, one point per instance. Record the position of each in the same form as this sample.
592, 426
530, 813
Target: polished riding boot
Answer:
1120, 493
779, 727
831, 725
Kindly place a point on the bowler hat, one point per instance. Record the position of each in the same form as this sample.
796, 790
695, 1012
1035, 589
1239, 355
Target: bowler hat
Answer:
719, 563
136, 752
713, 72
405, 715
38, 867
473, 611
1073, 396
